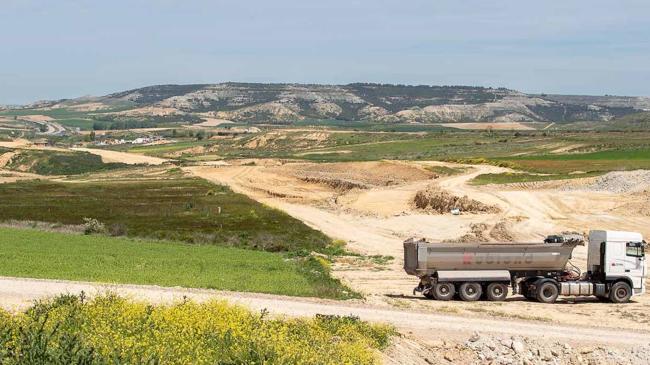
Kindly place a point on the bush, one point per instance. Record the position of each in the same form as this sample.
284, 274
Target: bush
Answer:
93, 226
112, 330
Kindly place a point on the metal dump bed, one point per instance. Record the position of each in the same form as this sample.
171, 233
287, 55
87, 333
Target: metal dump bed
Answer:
425, 258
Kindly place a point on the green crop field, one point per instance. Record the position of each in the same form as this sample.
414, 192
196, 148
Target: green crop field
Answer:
45, 162
185, 209
38, 254
81, 123
509, 178
601, 161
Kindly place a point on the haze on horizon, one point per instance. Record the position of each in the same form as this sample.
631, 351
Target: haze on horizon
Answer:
64, 49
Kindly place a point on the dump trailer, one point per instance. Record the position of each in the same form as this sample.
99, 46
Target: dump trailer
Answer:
616, 268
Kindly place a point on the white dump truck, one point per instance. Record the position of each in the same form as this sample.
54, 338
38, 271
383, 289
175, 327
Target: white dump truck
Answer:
616, 268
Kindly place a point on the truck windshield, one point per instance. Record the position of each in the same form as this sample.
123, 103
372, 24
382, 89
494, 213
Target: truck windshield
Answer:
634, 249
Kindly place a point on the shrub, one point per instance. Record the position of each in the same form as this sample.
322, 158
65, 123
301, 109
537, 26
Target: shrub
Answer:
93, 226
112, 330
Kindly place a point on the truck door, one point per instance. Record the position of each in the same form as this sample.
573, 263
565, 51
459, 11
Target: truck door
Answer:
634, 263
615, 259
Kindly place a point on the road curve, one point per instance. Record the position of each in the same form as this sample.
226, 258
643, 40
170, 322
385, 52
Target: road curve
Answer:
18, 293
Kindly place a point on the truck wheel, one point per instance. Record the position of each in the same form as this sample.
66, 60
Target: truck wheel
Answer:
444, 291
621, 292
470, 292
497, 292
547, 292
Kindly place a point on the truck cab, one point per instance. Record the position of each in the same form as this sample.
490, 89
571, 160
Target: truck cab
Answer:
615, 256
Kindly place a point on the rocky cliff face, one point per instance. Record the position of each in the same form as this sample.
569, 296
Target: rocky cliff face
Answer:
284, 103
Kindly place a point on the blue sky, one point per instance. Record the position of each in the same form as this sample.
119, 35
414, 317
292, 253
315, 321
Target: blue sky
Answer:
65, 48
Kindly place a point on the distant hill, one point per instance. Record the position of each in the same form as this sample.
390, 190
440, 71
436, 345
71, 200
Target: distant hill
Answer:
383, 103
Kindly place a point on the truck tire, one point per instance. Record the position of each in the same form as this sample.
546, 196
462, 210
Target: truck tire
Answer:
620, 292
470, 292
547, 292
444, 291
496, 292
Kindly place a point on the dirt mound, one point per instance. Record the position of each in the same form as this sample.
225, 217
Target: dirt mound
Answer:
500, 232
616, 182
336, 184
196, 150
436, 200
481, 232
280, 140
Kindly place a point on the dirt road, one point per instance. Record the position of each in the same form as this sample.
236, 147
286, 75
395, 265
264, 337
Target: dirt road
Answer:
5, 158
18, 293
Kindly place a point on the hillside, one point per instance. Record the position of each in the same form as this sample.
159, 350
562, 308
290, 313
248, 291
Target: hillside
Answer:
382, 103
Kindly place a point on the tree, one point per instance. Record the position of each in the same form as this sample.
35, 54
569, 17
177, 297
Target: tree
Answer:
92, 135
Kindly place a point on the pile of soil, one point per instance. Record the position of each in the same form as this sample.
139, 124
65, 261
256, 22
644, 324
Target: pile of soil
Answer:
434, 199
334, 183
616, 182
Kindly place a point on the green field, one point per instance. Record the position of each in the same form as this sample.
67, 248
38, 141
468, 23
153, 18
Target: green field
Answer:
509, 178
445, 170
38, 254
600, 161
81, 123
178, 209
46, 162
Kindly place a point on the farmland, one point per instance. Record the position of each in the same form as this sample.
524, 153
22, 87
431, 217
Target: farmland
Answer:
549, 153
48, 162
38, 254
185, 209
600, 161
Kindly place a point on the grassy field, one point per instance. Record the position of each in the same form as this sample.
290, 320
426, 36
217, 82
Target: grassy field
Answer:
81, 123
113, 330
45, 162
179, 209
38, 254
509, 178
601, 161
445, 170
